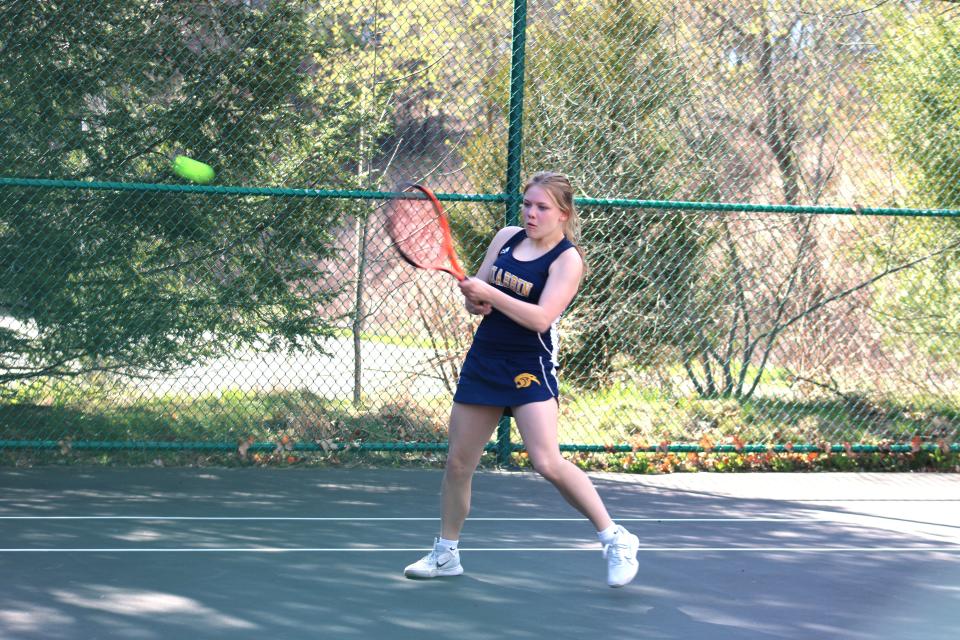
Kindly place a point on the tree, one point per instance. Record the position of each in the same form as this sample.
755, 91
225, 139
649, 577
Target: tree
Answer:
767, 81
121, 281
915, 83
408, 68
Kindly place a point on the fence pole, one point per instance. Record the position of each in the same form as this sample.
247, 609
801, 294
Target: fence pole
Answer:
514, 149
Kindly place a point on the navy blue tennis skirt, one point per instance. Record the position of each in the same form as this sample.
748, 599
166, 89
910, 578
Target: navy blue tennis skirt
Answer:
506, 380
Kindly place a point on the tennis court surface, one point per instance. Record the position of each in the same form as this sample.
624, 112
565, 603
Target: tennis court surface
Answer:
312, 553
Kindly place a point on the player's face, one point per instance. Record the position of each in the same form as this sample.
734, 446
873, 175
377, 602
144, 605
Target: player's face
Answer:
541, 217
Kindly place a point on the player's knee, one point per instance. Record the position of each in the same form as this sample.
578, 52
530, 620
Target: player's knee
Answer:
459, 467
549, 466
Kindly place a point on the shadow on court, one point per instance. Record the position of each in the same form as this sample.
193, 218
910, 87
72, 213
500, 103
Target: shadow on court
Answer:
158, 553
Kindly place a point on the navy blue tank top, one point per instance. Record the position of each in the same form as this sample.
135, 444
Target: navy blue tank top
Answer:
523, 280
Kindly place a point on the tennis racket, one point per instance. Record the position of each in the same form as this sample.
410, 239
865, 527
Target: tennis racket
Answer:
420, 231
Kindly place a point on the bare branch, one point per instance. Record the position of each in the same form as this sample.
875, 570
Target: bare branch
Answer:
779, 328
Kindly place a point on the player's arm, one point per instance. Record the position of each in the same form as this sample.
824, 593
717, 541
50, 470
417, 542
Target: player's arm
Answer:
477, 306
562, 284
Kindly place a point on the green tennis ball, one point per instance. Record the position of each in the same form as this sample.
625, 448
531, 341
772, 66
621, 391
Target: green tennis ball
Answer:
192, 170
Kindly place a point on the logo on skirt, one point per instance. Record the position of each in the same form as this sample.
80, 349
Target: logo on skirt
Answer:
524, 380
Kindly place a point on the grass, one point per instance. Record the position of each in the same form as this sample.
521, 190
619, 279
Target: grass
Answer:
229, 417
412, 340
281, 424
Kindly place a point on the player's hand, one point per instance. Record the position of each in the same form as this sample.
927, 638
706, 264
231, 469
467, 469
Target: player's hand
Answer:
478, 308
475, 291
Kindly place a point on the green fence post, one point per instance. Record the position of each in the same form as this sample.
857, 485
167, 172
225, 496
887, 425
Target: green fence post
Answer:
514, 147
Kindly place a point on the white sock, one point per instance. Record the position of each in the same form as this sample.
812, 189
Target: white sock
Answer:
448, 544
609, 535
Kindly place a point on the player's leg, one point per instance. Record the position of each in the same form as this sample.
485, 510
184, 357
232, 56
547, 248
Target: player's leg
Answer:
471, 426
537, 423
470, 429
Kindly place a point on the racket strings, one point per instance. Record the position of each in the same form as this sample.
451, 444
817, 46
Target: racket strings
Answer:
417, 232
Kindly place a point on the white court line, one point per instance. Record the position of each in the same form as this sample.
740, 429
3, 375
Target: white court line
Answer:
372, 519
940, 549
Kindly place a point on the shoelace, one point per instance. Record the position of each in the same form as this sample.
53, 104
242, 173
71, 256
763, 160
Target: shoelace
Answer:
616, 551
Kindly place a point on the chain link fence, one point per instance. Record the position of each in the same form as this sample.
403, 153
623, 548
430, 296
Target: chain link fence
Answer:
768, 189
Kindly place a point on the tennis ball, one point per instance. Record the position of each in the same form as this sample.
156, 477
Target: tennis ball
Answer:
192, 170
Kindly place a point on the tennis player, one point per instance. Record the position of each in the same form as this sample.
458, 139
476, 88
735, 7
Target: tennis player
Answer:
528, 278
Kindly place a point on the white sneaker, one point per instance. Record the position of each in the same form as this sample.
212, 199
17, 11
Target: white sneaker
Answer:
439, 563
621, 558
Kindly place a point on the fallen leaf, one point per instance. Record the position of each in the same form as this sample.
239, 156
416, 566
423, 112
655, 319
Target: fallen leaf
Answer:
916, 443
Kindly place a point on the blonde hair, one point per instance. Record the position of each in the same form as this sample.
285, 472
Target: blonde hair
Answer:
560, 190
